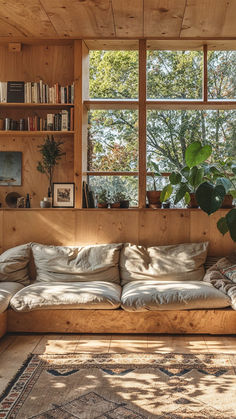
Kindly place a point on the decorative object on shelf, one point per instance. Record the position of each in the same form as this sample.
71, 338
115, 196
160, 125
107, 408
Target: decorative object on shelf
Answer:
20, 202
63, 195
51, 154
10, 168
102, 199
11, 199
154, 195
27, 201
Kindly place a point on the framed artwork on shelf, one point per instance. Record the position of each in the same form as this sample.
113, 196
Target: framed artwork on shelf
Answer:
63, 195
10, 168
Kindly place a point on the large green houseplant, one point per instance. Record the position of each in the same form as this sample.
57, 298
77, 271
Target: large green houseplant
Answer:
210, 182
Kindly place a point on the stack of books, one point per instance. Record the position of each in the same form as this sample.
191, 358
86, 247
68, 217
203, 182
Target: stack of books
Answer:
35, 92
61, 121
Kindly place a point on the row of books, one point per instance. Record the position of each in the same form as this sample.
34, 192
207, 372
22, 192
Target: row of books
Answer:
61, 121
35, 92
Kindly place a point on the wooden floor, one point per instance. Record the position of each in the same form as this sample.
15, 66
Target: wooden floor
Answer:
14, 349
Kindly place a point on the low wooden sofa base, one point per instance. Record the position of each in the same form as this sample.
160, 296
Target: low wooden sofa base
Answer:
217, 321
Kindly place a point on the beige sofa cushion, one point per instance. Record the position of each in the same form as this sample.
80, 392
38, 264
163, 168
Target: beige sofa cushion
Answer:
76, 295
7, 290
14, 264
77, 264
180, 262
158, 295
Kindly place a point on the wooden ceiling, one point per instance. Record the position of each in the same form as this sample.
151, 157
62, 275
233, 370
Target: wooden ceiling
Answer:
114, 19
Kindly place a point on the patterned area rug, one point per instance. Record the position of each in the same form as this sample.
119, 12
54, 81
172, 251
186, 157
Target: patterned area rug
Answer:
124, 386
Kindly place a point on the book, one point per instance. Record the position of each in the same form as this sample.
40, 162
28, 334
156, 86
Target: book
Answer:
15, 92
3, 91
64, 120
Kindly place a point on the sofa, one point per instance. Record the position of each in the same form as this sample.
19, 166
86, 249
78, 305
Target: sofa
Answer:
111, 288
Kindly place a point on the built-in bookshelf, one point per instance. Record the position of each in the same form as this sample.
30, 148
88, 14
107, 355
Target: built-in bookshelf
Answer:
36, 100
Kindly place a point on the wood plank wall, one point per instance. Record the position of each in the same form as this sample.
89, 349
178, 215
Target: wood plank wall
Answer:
141, 226
51, 63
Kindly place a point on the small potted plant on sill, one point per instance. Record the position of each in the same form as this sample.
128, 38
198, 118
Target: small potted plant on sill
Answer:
115, 200
154, 195
102, 199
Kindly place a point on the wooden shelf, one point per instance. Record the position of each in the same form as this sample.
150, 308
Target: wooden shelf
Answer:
36, 105
33, 133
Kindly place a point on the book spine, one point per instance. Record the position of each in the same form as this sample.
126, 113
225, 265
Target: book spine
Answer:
64, 120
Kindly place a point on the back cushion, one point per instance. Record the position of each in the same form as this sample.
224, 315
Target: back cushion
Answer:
76, 264
14, 264
163, 263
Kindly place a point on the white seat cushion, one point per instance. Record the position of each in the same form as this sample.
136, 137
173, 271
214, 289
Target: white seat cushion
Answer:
7, 290
76, 295
162, 295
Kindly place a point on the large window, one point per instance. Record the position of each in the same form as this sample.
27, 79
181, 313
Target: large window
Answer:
190, 95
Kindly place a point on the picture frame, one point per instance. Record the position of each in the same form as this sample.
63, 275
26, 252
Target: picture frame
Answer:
10, 168
63, 195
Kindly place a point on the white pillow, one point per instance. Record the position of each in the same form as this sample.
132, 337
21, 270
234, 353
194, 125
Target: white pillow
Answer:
179, 262
14, 264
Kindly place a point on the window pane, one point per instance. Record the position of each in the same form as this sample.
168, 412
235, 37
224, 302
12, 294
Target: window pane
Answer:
113, 74
221, 74
170, 132
126, 185
113, 140
174, 74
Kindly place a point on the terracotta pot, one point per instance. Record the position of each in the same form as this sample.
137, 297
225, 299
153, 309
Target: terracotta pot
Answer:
105, 205
193, 202
228, 201
154, 199
115, 205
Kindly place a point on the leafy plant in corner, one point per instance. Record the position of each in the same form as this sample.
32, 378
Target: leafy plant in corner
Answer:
51, 154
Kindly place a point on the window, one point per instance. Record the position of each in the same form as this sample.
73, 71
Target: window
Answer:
221, 74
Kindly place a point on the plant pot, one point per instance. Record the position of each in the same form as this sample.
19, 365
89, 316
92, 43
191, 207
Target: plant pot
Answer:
154, 199
115, 205
193, 202
228, 201
124, 204
104, 205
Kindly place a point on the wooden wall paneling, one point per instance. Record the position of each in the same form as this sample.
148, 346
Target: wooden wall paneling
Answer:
142, 123
34, 182
163, 18
1, 231
128, 18
112, 44
81, 19
51, 63
7, 31
209, 18
163, 227
203, 228
221, 321
47, 226
107, 226
29, 18
81, 76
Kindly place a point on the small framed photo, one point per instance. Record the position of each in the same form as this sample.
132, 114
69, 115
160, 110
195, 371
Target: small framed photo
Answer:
63, 195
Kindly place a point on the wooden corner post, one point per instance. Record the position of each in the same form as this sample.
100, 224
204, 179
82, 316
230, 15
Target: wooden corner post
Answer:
81, 80
142, 123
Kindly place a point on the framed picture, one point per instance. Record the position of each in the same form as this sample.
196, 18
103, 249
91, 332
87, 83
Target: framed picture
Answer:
10, 168
63, 195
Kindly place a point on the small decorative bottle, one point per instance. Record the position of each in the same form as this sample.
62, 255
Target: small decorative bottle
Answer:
27, 201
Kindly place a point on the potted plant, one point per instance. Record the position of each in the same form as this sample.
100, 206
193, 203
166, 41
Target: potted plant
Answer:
188, 179
120, 198
102, 199
154, 195
51, 154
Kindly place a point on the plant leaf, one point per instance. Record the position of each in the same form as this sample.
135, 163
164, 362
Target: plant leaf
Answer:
210, 197
181, 192
196, 176
166, 192
231, 223
187, 198
222, 225
225, 182
196, 154
175, 178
